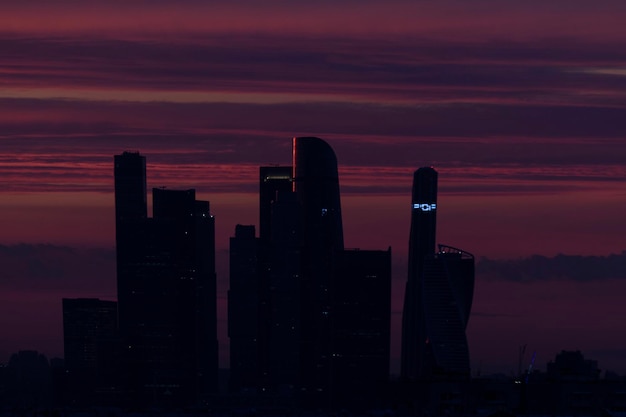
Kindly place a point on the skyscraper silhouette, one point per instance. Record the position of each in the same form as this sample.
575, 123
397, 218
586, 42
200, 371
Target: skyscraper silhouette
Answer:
243, 310
323, 337
166, 290
90, 342
130, 187
421, 245
447, 288
285, 297
438, 294
261, 318
89, 329
316, 184
328, 309
274, 181
361, 313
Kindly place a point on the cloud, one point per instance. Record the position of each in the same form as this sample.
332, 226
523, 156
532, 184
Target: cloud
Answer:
46, 267
449, 18
539, 268
218, 147
495, 116
615, 353
274, 68
61, 145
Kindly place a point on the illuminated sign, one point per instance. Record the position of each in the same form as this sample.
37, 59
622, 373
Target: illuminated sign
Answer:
425, 206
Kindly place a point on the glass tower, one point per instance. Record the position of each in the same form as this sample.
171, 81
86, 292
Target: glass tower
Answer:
316, 185
166, 288
421, 246
438, 294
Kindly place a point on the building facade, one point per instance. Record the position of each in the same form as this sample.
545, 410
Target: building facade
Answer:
422, 238
90, 344
166, 291
360, 335
244, 322
447, 286
325, 342
438, 294
316, 186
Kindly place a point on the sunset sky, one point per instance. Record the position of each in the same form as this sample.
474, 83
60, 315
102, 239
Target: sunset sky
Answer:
520, 106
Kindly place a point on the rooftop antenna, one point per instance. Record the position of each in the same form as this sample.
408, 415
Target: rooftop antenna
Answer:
530, 367
520, 359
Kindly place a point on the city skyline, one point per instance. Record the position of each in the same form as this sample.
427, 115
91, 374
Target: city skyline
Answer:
398, 276
519, 107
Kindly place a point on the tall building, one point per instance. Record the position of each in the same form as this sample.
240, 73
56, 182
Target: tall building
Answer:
131, 221
243, 311
447, 287
274, 181
251, 318
438, 294
361, 311
90, 342
316, 185
89, 327
423, 218
130, 187
323, 333
421, 246
285, 297
166, 291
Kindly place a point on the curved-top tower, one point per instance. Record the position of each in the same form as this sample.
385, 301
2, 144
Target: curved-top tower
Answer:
323, 313
316, 185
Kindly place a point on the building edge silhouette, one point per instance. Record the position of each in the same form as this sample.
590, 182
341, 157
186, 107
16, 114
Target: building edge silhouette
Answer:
166, 288
325, 340
306, 328
434, 344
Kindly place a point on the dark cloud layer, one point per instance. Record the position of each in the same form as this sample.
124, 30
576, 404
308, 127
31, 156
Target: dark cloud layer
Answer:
217, 147
46, 267
539, 268
54, 267
121, 122
374, 70
446, 18
537, 113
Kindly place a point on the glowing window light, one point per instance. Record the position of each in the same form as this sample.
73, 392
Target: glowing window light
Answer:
425, 206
